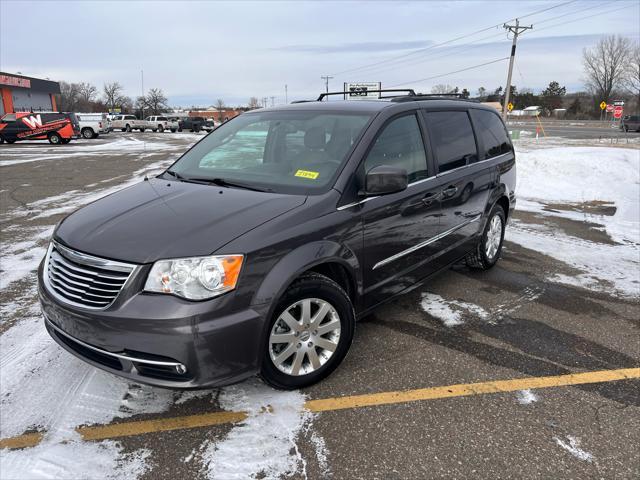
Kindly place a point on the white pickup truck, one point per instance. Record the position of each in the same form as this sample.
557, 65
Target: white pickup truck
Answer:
93, 124
159, 123
126, 123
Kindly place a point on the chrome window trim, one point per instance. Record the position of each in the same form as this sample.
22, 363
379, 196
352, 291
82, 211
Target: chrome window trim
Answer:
111, 354
422, 180
100, 262
420, 245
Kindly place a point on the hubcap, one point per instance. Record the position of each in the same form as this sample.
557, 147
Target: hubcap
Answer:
304, 337
494, 236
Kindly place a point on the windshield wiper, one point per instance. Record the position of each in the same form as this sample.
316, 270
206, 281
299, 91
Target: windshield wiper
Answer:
221, 182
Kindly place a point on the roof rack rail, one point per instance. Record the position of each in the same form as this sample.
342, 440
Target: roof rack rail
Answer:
407, 91
433, 96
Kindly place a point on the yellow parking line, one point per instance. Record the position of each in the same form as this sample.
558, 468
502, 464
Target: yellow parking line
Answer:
140, 427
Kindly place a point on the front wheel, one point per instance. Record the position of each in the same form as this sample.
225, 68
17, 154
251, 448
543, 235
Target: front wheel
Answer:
309, 334
55, 138
489, 247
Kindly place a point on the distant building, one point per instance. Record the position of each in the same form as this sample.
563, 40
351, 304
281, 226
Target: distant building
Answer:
215, 114
19, 93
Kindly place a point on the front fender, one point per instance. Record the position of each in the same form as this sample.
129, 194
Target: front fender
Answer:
301, 259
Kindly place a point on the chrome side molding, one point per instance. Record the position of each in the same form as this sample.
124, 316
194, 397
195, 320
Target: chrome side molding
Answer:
420, 245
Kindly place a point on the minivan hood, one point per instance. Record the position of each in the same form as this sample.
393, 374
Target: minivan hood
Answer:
158, 219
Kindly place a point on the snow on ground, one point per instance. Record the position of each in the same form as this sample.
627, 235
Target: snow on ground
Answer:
572, 445
525, 397
450, 311
584, 184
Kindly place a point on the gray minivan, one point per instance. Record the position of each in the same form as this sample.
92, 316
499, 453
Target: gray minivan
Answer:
258, 249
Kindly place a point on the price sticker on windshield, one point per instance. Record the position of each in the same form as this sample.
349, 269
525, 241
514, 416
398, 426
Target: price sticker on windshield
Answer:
307, 174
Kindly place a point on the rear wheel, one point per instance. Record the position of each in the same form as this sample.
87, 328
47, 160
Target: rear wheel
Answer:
55, 138
309, 334
127, 128
88, 133
489, 247
160, 128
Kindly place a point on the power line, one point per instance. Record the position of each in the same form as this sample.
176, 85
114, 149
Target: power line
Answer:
431, 47
450, 73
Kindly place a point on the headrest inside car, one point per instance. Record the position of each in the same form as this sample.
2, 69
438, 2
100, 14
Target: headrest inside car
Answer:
315, 138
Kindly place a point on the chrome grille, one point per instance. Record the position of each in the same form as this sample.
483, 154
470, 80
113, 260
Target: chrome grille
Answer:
83, 280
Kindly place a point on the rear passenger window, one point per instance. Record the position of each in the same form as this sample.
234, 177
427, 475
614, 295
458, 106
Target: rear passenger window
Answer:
452, 137
491, 132
400, 145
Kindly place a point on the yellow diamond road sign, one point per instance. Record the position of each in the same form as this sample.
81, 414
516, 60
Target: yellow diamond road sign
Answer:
510, 106
603, 105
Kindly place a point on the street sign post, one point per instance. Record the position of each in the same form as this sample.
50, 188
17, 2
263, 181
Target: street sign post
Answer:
617, 111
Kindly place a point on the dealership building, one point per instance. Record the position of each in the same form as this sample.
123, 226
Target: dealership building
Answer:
19, 93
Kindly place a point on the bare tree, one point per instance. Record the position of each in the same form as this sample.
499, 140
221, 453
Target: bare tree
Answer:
113, 96
606, 65
254, 103
220, 104
482, 93
87, 92
155, 101
442, 88
631, 80
69, 97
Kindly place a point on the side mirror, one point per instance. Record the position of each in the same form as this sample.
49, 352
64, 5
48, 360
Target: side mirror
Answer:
385, 179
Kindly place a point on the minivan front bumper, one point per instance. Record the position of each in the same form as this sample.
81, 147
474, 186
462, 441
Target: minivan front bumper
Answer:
160, 339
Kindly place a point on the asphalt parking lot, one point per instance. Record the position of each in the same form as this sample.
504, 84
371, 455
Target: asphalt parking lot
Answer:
425, 366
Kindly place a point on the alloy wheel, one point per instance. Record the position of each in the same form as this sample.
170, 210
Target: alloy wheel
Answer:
494, 237
304, 337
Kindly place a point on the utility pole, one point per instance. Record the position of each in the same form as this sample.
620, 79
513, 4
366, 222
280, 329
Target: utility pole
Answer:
286, 94
515, 29
142, 87
273, 101
326, 79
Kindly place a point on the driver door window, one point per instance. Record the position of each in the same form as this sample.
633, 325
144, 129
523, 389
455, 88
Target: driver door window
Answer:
400, 145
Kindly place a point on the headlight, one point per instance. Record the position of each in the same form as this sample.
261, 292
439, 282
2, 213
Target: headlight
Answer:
195, 278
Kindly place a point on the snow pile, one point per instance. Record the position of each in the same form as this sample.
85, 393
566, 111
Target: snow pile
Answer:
578, 175
584, 184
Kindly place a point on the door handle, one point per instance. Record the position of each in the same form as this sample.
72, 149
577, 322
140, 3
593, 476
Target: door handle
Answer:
450, 191
429, 198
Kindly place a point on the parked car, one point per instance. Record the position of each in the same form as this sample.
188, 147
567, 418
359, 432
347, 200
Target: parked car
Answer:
58, 128
258, 249
160, 124
127, 123
208, 125
630, 122
193, 124
93, 124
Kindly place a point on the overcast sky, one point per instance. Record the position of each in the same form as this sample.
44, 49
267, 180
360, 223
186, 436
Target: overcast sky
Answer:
198, 51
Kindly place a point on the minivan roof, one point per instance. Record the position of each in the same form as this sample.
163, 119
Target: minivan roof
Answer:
369, 106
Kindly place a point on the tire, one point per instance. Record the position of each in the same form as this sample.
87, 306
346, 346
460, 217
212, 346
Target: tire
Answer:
154, 130
64, 141
489, 248
142, 129
318, 292
123, 129
88, 133
1, 139
127, 128
10, 141
626, 128
173, 130
55, 138
160, 128
180, 129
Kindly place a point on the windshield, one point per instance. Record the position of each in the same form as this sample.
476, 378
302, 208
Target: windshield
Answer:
286, 152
